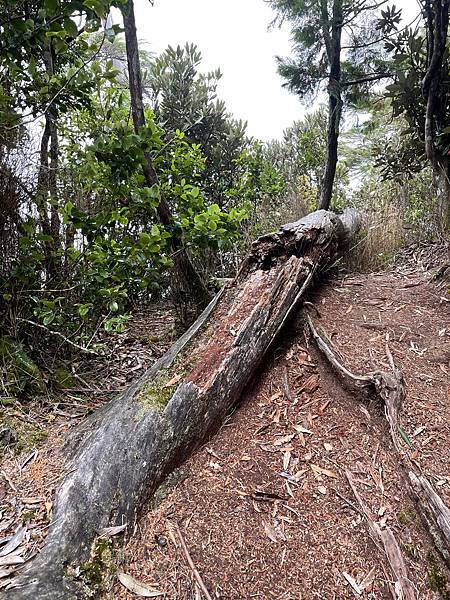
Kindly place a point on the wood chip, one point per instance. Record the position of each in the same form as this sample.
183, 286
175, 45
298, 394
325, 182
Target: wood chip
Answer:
352, 583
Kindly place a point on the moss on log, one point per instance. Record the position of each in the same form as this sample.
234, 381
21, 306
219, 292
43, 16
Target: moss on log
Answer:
121, 455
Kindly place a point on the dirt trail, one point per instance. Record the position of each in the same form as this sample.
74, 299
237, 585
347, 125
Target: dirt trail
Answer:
266, 510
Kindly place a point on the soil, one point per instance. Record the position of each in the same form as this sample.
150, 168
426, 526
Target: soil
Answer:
265, 508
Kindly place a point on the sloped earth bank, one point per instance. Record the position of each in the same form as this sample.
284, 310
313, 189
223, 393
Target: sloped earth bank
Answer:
266, 510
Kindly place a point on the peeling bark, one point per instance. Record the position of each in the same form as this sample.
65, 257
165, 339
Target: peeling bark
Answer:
120, 456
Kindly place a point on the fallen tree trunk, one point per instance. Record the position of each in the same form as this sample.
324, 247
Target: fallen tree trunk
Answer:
391, 390
122, 454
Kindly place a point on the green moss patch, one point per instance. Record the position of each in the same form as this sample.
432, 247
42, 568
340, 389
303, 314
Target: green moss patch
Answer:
20, 374
64, 379
156, 394
97, 573
437, 580
20, 435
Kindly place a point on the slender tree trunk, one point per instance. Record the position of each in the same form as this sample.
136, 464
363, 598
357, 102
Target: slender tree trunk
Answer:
46, 189
333, 47
437, 22
55, 222
42, 194
42, 182
185, 272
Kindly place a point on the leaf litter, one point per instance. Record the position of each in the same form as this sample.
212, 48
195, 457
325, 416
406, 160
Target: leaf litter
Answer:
258, 531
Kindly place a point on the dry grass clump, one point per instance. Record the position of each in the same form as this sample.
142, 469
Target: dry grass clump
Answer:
383, 233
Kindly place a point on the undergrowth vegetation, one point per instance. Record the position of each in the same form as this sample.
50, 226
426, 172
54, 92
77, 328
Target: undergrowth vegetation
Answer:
100, 215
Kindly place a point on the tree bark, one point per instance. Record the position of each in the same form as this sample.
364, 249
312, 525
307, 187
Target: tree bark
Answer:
436, 14
118, 457
333, 46
185, 271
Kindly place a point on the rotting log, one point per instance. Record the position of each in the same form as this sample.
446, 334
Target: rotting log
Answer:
120, 455
390, 388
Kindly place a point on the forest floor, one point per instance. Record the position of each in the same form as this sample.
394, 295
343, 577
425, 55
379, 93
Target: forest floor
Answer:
265, 509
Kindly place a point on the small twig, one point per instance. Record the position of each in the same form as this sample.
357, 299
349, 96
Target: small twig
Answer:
349, 503
195, 573
57, 334
13, 487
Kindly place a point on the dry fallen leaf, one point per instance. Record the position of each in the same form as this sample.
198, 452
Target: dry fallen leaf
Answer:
140, 589
11, 559
270, 532
14, 542
284, 440
48, 509
276, 416
352, 582
110, 531
302, 429
322, 471
288, 489
275, 535
368, 579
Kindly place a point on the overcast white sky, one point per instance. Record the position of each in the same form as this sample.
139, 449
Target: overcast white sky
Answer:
233, 35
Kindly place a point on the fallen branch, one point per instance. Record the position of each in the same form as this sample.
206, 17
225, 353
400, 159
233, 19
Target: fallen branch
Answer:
57, 334
120, 455
389, 386
403, 588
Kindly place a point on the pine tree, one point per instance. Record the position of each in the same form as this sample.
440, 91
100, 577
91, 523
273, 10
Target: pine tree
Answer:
338, 43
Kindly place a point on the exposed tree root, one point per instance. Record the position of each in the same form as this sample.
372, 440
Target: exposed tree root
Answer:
391, 389
121, 454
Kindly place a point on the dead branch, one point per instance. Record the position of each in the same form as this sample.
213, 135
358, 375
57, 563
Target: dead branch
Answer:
391, 389
390, 547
